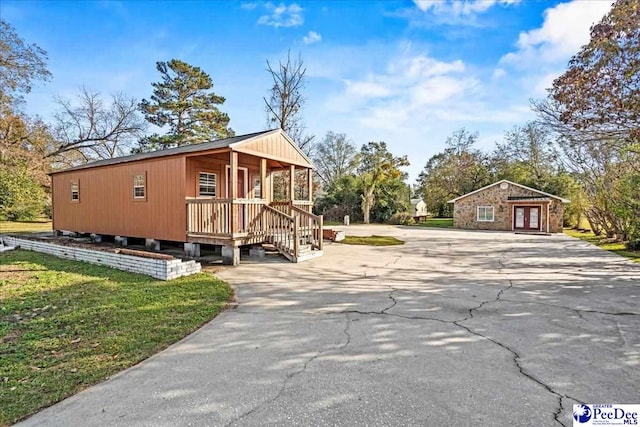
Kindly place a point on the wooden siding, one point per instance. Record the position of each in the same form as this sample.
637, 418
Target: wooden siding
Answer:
107, 206
217, 163
275, 147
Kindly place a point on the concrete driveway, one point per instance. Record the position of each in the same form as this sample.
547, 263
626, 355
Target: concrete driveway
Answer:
453, 328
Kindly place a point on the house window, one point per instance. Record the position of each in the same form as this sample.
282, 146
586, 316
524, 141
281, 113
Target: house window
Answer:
139, 186
485, 213
207, 184
75, 192
257, 189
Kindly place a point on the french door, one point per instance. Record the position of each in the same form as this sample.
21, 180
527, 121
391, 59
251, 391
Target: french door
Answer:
526, 218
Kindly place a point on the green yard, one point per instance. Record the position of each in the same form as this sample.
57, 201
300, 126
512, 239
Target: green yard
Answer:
24, 227
66, 325
372, 240
436, 222
616, 248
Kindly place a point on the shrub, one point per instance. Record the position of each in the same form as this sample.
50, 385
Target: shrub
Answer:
401, 218
633, 245
21, 197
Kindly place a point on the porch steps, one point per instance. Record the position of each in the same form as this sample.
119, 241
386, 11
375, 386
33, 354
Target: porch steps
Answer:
305, 251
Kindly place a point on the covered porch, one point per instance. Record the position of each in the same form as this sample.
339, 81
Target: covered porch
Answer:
252, 193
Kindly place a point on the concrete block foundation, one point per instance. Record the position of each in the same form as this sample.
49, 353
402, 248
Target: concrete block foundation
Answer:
192, 250
120, 241
230, 255
162, 269
152, 245
257, 252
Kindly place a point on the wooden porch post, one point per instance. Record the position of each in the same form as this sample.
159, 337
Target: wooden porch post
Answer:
263, 180
310, 183
233, 185
292, 185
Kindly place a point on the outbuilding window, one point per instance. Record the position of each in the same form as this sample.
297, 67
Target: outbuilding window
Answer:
140, 186
75, 192
485, 213
207, 183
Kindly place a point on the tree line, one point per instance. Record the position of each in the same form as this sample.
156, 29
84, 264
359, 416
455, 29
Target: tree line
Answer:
183, 109
584, 144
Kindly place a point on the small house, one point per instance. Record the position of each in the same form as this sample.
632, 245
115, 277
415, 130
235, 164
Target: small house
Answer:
217, 193
509, 206
418, 208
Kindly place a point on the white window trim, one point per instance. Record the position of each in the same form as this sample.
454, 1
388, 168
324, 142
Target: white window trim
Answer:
77, 185
144, 186
493, 214
216, 185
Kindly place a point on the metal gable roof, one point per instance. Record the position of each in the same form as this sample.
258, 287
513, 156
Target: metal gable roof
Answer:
185, 149
563, 200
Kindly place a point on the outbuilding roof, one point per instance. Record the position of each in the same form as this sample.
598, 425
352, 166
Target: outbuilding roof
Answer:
563, 200
233, 142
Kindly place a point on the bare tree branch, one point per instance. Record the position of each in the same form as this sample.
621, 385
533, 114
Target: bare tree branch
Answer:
93, 129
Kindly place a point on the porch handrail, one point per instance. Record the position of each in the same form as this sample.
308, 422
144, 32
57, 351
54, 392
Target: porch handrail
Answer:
277, 212
282, 231
311, 224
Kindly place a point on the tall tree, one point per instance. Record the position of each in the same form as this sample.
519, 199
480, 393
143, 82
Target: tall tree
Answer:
23, 139
334, 158
93, 129
527, 156
377, 165
459, 169
286, 100
20, 64
600, 91
185, 102
594, 108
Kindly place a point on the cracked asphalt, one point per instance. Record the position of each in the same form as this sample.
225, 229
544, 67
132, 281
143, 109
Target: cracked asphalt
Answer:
452, 328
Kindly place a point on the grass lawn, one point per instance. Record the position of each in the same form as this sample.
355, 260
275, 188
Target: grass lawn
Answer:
24, 227
371, 240
617, 248
66, 325
436, 222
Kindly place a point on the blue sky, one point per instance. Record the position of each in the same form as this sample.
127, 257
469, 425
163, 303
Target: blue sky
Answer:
408, 73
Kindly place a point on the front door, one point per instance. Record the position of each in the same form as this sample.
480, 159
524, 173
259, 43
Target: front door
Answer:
526, 218
241, 182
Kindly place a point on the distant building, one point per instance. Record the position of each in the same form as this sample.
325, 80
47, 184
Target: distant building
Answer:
506, 205
418, 208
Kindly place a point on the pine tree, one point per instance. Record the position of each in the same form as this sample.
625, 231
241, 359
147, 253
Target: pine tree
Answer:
183, 101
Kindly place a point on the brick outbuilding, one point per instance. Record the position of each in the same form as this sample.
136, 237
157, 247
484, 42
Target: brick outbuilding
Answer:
509, 206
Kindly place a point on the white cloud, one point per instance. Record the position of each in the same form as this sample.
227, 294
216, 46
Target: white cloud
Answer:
459, 7
312, 37
564, 30
366, 89
498, 73
409, 88
249, 5
282, 16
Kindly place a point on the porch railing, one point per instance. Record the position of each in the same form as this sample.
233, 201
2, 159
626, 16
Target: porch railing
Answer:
282, 231
310, 226
283, 223
224, 217
284, 206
